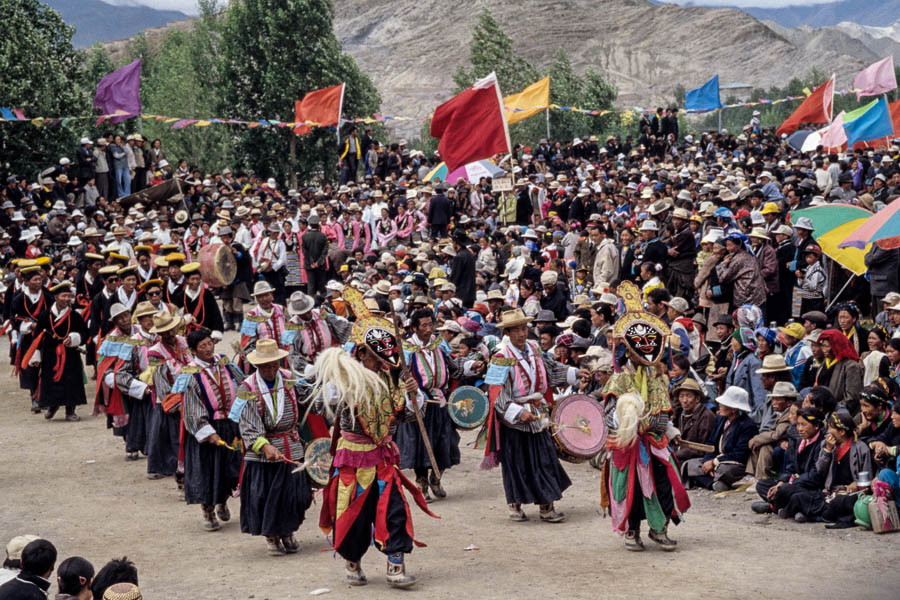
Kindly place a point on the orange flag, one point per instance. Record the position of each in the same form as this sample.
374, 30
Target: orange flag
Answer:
322, 107
815, 109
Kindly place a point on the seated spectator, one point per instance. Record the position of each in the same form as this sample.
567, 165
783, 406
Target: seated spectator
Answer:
875, 412
843, 368
842, 459
799, 471
32, 583
731, 435
74, 578
742, 372
696, 421
885, 445
797, 351
763, 444
773, 370
115, 571
13, 563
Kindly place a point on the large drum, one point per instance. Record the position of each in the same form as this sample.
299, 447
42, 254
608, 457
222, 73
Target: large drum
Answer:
317, 458
217, 265
468, 407
578, 424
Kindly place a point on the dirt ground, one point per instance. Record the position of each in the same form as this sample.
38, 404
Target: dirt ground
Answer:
69, 483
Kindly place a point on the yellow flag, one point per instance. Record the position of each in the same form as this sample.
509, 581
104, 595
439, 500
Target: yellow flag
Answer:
532, 100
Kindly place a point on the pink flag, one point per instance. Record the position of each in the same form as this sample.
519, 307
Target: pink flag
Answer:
875, 79
834, 135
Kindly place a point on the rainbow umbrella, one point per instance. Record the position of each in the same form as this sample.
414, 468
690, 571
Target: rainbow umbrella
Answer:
831, 225
879, 228
471, 172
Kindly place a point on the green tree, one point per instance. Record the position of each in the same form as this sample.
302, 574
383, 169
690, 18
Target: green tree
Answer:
492, 50
274, 52
568, 89
40, 72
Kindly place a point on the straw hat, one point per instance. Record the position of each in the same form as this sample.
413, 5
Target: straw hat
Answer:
262, 287
511, 318
143, 309
773, 363
266, 351
163, 321
783, 389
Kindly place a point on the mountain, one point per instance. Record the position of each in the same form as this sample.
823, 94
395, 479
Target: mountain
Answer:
410, 48
826, 14
96, 21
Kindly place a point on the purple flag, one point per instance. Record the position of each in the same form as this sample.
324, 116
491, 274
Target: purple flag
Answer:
120, 91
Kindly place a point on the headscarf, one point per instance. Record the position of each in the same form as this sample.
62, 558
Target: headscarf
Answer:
767, 334
749, 315
746, 338
841, 347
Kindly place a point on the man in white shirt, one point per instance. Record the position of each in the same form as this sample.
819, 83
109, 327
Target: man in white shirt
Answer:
269, 255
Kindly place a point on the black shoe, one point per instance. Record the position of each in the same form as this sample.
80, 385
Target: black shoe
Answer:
51, 412
800, 518
841, 525
783, 513
761, 508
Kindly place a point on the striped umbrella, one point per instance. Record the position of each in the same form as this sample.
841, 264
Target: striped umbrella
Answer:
832, 224
882, 227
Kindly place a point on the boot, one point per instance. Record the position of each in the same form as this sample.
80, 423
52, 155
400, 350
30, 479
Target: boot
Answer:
662, 538
633, 541
179, 480
435, 484
355, 575
274, 547
51, 412
209, 519
35, 407
422, 484
396, 572
223, 512
516, 513
291, 545
549, 514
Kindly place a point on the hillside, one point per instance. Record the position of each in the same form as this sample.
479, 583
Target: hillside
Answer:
411, 48
827, 14
94, 20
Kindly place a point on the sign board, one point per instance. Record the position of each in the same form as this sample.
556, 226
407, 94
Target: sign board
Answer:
502, 184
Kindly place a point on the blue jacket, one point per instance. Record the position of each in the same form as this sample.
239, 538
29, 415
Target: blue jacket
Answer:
745, 376
736, 445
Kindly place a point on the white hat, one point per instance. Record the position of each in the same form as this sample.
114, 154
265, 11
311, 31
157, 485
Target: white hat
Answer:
271, 183
735, 397
756, 217
765, 174
334, 286
649, 225
85, 140
117, 309
262, 287
64, 161
74, 241
804, 223
299, 303
549, 277
678, 304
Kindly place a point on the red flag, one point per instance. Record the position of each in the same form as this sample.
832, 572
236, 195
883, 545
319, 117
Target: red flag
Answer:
472, 124
815, 109
321, 106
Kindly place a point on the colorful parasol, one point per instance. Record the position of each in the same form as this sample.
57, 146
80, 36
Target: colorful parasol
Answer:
882, 227
832, 224
471, 172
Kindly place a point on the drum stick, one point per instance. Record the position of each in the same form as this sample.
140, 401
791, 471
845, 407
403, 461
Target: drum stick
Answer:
405, 371
696, 446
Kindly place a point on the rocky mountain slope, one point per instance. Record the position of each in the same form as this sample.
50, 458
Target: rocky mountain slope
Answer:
411, 48
95, 20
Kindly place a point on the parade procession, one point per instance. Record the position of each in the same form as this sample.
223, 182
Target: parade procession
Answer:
596, 362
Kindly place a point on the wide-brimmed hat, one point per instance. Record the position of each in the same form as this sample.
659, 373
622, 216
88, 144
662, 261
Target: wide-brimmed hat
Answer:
383, 287
689, 384
735, 397
759, 232
266, 351
117, 309
262, 287
511, 318
773, 363
163, 321
300, 303
144, 309
783, 389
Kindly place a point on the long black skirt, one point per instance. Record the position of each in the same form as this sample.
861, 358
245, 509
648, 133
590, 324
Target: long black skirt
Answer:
137, 433
444, 440
532, 473
69, 390
29, 379
211, 473
163, 440
273, 499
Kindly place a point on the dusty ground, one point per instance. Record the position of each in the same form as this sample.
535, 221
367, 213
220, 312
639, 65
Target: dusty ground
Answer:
69, 482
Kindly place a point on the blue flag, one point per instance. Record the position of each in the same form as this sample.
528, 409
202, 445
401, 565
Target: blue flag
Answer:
705, 97
870, 122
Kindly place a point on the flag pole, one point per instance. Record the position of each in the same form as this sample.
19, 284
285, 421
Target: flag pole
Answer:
548, 123
340, 114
